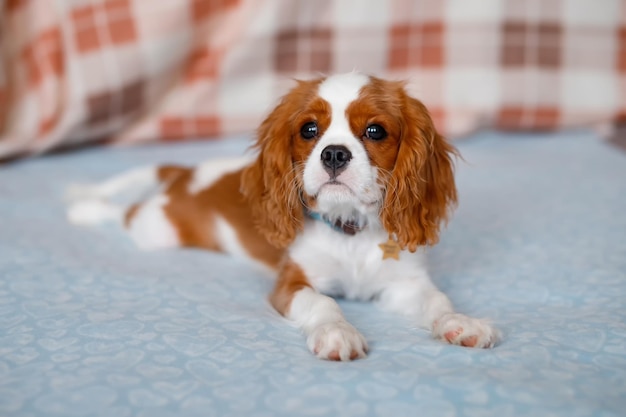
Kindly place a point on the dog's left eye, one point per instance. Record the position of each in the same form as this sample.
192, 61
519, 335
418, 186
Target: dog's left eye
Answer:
375, 132
309, 130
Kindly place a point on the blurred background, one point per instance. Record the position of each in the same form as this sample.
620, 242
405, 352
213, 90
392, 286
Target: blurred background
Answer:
133, 71
90, 325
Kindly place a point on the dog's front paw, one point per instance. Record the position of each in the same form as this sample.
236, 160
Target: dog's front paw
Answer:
337, 341
458, 329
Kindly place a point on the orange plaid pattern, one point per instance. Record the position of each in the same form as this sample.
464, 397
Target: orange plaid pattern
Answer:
621, 50
132, 71
202, 64
181, 128
43, 57
203, 9
540, 118
116, 17
417, 46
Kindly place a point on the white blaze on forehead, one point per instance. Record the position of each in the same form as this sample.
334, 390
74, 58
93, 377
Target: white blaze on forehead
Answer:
360, 177
341, 90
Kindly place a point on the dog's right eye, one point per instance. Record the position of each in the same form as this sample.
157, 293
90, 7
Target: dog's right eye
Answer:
309, 130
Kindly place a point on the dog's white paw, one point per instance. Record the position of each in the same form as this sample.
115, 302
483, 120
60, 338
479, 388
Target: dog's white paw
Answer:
337, 341
458, 329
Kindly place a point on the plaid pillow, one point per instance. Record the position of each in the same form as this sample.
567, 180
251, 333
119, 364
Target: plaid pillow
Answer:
131, 71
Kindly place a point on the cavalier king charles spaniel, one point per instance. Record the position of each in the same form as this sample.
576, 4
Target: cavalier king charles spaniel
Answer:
350, 183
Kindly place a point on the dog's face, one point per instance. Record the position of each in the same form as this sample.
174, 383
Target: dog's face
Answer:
351, 147
348, 147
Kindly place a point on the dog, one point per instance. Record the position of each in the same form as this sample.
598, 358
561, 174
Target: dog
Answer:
350, 183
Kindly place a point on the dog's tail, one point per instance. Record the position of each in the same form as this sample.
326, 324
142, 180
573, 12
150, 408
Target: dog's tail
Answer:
91, 204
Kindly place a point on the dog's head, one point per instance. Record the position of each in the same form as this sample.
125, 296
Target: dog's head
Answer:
351, 147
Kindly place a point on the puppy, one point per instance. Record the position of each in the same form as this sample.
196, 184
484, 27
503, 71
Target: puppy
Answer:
350, 183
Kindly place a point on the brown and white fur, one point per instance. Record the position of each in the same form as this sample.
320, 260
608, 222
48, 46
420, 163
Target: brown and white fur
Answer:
360, 155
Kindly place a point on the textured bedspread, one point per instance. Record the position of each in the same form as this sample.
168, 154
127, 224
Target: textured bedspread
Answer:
89, 325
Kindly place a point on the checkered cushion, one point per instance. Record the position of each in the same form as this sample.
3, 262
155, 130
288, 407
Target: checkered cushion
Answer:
130, 71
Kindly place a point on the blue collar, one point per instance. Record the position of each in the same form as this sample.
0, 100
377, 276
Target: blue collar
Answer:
347, 228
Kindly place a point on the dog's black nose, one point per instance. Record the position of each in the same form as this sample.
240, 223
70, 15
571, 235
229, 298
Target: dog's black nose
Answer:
335, 159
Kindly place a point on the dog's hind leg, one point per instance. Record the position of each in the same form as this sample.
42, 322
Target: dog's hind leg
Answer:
139, 178
90, 203
94, 211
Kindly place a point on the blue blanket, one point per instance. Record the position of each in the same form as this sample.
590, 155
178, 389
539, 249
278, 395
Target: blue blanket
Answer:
91, 326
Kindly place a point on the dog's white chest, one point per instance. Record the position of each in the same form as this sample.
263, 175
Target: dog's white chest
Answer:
344, 265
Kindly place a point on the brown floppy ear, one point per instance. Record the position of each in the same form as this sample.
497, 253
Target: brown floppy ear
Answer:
270, 183
421, 189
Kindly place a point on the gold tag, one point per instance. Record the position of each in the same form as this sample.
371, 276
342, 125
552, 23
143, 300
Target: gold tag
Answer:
391, 249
